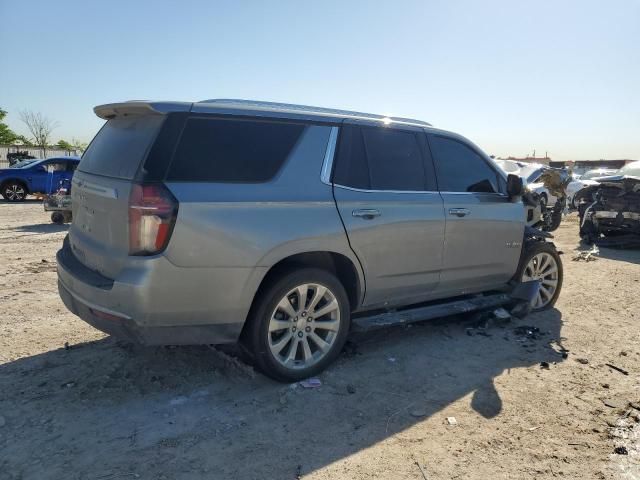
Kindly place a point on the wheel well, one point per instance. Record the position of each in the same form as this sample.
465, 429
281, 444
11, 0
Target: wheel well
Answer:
335, 263
14, 180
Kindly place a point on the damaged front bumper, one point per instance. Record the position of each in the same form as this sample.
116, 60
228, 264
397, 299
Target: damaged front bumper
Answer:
610, 213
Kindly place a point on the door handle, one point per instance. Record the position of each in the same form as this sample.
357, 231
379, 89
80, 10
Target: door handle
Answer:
459, 212
366, 213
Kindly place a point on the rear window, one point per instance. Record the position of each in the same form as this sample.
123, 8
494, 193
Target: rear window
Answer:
224, 150
120, 146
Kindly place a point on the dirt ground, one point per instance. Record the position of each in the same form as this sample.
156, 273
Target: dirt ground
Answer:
75, 404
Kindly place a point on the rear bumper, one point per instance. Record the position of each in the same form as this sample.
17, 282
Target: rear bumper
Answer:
127, 329
159, 303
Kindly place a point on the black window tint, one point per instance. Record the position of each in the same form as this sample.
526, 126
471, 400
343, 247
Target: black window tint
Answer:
459, 168
351, 169
379, 159
221, 150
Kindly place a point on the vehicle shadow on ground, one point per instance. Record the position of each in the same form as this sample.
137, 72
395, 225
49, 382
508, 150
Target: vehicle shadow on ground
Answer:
108, 409
42, 228
27, 200
623, 255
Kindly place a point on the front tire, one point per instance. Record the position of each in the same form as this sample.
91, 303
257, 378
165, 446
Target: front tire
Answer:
541, 261
14, 192
298, 325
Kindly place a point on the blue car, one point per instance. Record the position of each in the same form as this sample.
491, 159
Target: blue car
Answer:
35, 176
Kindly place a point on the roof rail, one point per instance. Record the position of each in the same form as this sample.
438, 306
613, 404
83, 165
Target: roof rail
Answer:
310, 109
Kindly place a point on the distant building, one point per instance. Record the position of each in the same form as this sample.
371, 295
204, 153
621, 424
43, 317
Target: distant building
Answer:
530, 159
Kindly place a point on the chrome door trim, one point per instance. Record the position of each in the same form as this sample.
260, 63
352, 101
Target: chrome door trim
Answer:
327, 164
353, 189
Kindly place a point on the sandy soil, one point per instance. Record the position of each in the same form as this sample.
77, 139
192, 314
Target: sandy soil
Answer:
100, 409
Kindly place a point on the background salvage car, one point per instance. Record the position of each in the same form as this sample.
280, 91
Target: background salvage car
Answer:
610, 211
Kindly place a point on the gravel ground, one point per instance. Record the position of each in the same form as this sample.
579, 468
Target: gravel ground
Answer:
76, 404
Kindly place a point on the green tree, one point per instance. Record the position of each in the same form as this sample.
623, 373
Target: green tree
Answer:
25, 141
7, 136
65, 145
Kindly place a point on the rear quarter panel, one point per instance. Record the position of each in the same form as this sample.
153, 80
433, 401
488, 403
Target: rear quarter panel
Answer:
254, 226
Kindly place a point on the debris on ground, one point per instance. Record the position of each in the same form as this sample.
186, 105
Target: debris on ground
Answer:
527, 331
621, 451
392, 359
501, 314
618, 369
311, 383
545, 365
452, 421
587, 255
583, 361
351, 389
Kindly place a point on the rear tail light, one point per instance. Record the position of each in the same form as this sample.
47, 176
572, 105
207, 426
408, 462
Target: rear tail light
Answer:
152, 215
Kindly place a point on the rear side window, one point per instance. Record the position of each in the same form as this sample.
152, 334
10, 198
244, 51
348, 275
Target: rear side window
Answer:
459, 168
120, 146
222, 150
373, 158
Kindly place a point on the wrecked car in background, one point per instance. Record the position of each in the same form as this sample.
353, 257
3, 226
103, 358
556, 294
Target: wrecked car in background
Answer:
545, 195
610, 211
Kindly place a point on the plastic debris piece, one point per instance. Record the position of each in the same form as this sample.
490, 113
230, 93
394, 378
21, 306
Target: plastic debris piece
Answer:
502, 314
452, 421
311, 383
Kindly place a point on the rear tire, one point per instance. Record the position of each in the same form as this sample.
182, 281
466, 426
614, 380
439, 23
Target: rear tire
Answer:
14, 192
57, 218
541, 261
298, 325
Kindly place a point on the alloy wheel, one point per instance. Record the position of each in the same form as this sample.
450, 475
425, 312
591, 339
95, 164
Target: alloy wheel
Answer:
304, 326
14, 192
544, 268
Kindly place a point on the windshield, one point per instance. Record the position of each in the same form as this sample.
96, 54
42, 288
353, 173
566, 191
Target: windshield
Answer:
596, 173
533, 176
632, 169
24, 163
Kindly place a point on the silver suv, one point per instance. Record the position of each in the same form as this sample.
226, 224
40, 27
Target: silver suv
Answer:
283, 227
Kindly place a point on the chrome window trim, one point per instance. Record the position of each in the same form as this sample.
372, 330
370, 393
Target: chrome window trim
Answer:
383, 191
329, 155
499, 194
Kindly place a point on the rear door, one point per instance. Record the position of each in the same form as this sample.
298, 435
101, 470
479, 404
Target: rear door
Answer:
484, 229
386, 195
99, 234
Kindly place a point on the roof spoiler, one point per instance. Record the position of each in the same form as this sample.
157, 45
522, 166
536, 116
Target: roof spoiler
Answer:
139, 107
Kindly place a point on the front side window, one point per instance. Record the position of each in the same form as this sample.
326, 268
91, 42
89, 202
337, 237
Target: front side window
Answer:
459, 168
238, 151
378, 158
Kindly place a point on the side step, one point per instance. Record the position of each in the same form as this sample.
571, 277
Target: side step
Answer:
429, 312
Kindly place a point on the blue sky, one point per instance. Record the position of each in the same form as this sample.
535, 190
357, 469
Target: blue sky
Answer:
557, 76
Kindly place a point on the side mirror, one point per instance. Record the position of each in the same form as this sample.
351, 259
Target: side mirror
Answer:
514, 186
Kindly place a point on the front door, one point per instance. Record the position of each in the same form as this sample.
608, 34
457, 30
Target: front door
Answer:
484, 229
386, 197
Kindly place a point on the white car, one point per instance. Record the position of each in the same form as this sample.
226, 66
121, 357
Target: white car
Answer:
585, 180
530, 174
